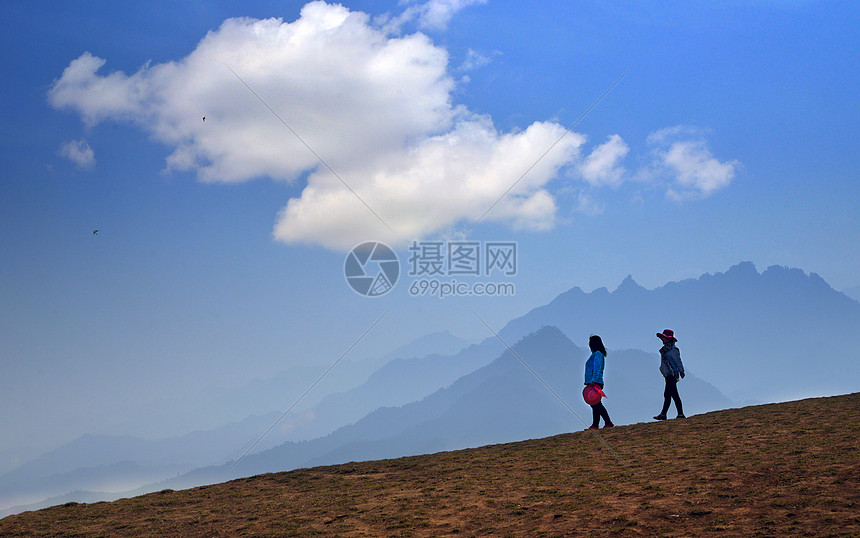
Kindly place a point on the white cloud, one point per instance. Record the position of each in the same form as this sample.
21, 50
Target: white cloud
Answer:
601, 167
436, 184
344, 87
433, 14
475, 59
437, 13
79, 152
684, 154
377, 108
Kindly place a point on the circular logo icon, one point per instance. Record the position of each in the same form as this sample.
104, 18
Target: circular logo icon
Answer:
371, 269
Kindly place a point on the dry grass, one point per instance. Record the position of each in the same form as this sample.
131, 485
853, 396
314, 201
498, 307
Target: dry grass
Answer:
773, 470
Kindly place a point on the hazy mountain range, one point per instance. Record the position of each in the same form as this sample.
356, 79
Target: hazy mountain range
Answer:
216, 407
106, 464
776, 335
500, 402
763, 336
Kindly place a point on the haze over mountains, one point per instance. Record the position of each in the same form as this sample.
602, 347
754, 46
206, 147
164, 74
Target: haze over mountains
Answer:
213, 408
107, 463
764, 336
114, 463
497, 403
770, 336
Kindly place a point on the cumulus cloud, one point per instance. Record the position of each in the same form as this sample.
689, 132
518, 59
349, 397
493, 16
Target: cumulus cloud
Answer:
346, 88
377, 108
437, 183
602, 167
683, 152
79, 152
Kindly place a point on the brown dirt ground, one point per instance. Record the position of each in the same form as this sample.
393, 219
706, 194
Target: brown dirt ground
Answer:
788, 469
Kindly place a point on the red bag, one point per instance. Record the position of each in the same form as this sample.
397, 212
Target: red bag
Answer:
592, 394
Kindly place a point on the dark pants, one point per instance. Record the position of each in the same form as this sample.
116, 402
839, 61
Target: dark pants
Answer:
671, 393
598, 411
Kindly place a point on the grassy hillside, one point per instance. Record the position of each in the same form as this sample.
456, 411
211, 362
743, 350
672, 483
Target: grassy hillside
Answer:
780, 469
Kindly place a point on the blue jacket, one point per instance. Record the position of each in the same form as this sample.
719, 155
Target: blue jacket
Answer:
670, 361
594, 368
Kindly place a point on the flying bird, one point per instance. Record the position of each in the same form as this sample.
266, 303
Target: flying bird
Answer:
204, 118
95, 232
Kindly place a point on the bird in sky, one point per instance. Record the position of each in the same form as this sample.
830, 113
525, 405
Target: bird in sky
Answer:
95, 232
204, 118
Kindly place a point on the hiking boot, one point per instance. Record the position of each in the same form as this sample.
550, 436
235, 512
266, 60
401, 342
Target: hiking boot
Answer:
660, 417
680, 415
610, 425
592, 428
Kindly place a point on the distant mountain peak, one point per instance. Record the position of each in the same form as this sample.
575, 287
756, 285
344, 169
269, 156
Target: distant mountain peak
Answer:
628, 285
574, 291
742, 269
572, 294
437, 343
798, 276
547, 331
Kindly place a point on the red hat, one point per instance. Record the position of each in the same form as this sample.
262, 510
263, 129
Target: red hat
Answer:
668, 334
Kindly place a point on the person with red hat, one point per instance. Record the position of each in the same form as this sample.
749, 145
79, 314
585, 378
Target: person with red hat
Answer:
594, 379
672, 368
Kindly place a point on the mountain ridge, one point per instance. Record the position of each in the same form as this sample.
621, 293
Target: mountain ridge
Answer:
723, 321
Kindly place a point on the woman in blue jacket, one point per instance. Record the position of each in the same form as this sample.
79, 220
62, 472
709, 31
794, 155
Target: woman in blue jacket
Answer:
672, 369
594, 376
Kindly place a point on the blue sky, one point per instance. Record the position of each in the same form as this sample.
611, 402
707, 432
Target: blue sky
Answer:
221, 244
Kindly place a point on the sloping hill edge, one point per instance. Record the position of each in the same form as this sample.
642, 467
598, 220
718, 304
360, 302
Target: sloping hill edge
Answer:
787, 468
